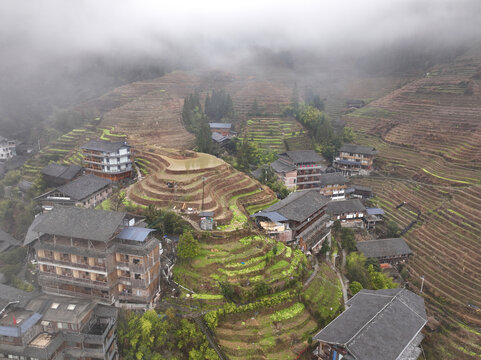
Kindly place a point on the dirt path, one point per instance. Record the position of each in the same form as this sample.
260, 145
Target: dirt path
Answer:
340, 277
313, 275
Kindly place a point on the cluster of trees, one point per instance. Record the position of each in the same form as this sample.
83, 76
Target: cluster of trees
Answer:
161, 336
269, 178
196, 121
11, 263
366, 273
311, 114
219, 106
166, 222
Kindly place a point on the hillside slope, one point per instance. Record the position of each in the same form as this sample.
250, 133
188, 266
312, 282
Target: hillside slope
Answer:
428, 134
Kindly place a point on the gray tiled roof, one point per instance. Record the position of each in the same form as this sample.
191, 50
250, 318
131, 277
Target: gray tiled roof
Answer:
104, 145
66, 172
220, 125
7, 241
302, 156
358, 149
345, 206
384, 247
80, 223
281, 166
361, 187
377, 324
298, 206
84, 186
333, 179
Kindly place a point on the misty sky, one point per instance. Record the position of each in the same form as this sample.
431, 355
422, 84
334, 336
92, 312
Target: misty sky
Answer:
50, 28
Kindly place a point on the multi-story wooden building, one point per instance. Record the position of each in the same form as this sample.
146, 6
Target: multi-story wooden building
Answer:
350, 213
355, 159
333, 186
86, 191
46, 327
7, 148
300, 220
107, 159
299, 169
96, 254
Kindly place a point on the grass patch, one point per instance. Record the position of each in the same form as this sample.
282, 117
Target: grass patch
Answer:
447, 179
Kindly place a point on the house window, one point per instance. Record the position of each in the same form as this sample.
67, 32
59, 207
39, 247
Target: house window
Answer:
54, 306
71, 307
136, 261
138, 276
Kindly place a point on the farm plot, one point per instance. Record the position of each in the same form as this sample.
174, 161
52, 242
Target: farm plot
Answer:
269, 133
445, 244
270, 321
429, 133
65, 149
187, 180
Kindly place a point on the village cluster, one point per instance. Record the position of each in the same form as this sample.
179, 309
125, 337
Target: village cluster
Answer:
91, 262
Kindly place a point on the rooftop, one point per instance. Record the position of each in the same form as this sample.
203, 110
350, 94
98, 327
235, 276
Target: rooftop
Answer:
358, 149
84, 186
361, 188
66, 172
80, 223
333, 179
298, 206
345, 206
134, 233
377, 324
7, 241
214, 125
104, 145
302, 156
281, 166
217, 137
384, 247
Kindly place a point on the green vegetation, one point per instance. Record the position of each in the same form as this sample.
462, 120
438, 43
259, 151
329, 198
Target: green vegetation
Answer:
444, 178
11, 263
156, 337
288, 313
188, 247
361, 271
270, 133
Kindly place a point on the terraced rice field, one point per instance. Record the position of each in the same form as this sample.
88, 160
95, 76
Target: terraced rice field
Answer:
267, 332
428, 134
65, 150
226, 191
269, 133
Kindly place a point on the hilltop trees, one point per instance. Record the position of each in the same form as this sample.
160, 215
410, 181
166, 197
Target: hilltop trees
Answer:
219, 106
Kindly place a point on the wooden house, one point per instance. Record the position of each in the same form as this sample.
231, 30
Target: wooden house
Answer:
354, 159
389, 251
300, 170
349, 212
300, 220
87, 191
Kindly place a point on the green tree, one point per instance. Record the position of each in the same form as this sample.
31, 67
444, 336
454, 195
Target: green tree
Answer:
348, 135
261, 289
188, 246
325, 248
348, 239
356, 269
355, 287
393, 230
